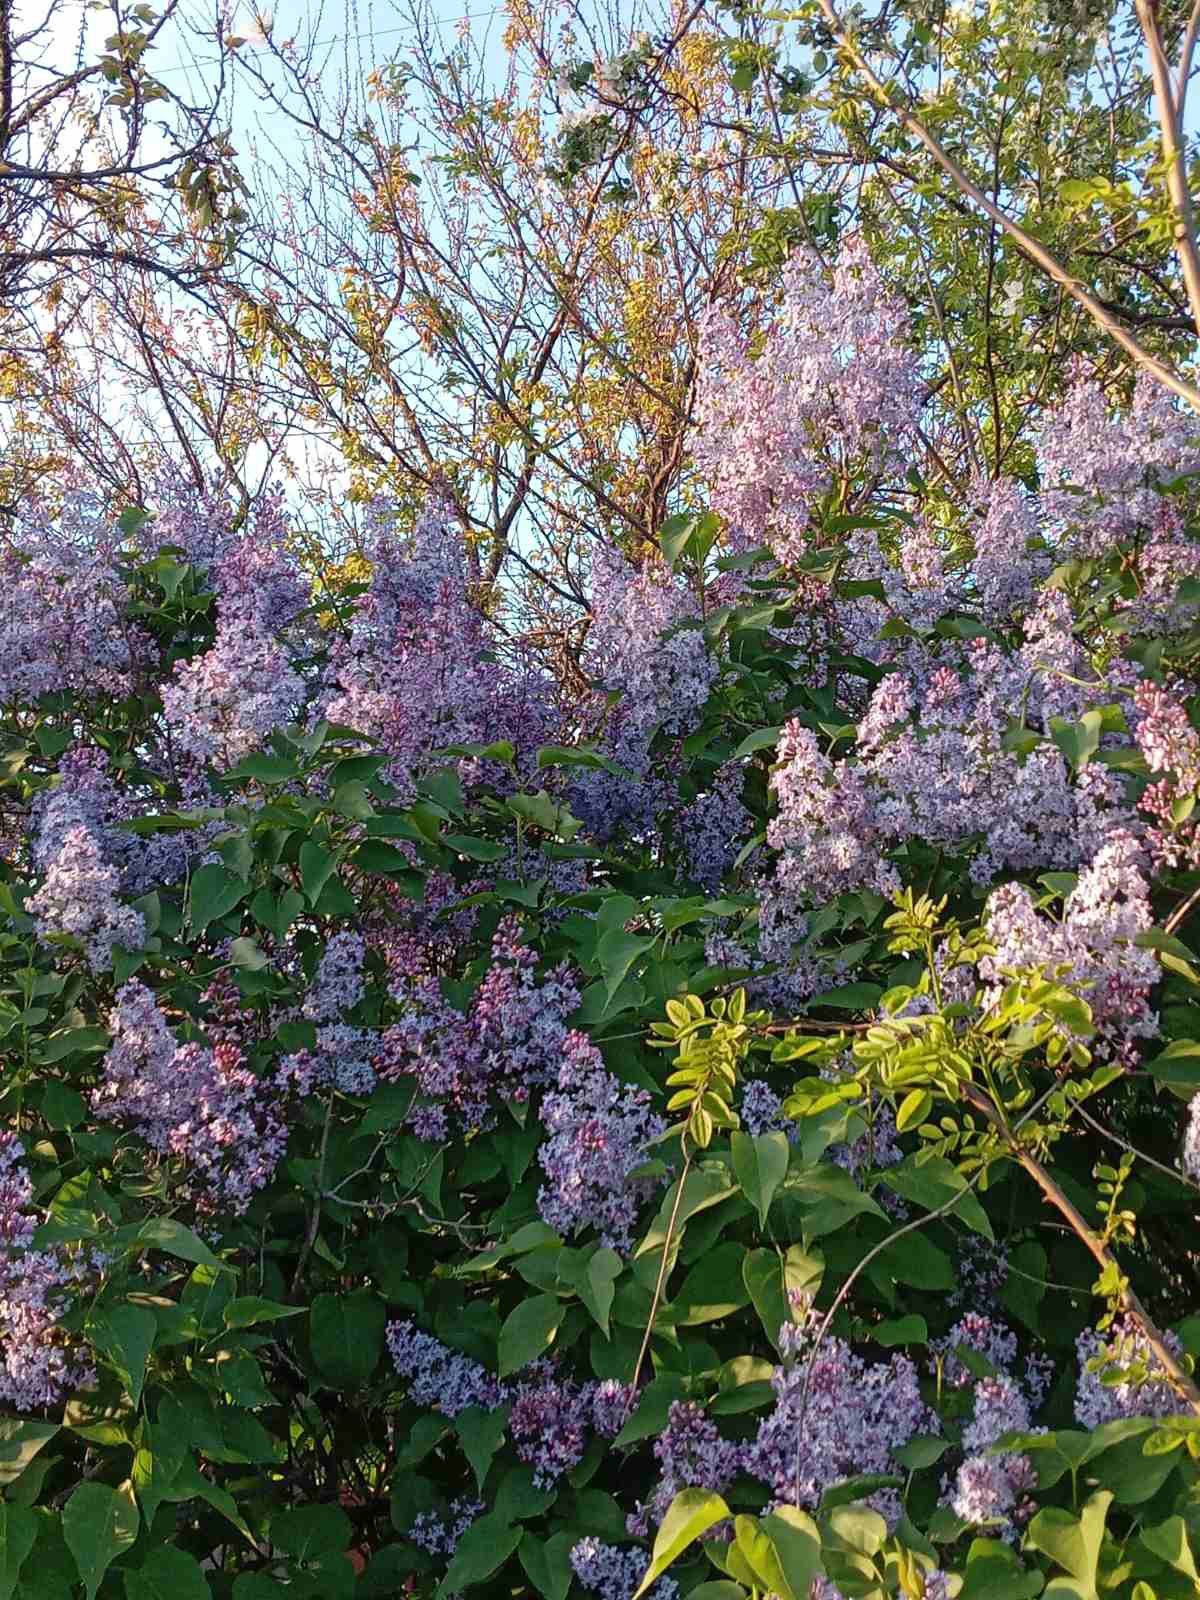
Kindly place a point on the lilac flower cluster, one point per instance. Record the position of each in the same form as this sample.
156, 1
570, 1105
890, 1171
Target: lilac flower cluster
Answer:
691, 1455
598, 1131
510, 1041
832, 391
989, 1487
1094, 944
78, 896
1123, 1346
202, 1105
417, 671
40, 1363
64, 628
439, 1536
443, 1379
614, 1574
550, 1419
835, 1416
222, 705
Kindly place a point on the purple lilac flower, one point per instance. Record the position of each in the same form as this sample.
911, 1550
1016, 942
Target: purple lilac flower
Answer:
835, 1416
439, 1536
614, 1574
691, 1455
202, 1105
444, 1379
222, 705
995, 1489
597, 1130
1094, 944
39, 1363
549, 1424
992, 1340
761, 1109
1190, 1154
78, 896
833, 388
1123, 1345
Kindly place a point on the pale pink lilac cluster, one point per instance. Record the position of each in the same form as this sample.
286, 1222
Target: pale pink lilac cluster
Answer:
1093, 949
1102, 470
828, 390
1109, 1391
40, 1363
597, 1133
1171, 749
199, 1104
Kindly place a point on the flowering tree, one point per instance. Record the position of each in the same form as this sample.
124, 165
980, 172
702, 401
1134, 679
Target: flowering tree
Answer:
691, 1126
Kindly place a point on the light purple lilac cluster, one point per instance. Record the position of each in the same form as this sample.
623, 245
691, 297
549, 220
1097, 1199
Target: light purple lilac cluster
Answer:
835, 1416
510, 1041
40, 1364
419, 670
644, 645
993, 1488
614, 1574
197, 1103
598, 1130
79, 897
1093, 946
64, 628
551, 1419
833, 391
1171, 748
1122, 1346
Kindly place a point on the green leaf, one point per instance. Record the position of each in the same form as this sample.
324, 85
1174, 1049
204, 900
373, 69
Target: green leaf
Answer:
930, 1183
248, 1309
317, 866
246, 954
762, 1273
482, 1550
548, 1564
1074, 1542
760, 1162
481, 1434
760, 739
98, 1523
18, 1532
266, 768
125, 1334
850, 997
213, 893
904, 1330
305, 1532
20, 1441
72, 1042
593, 1276
616, 952
164, 1233
168, 1574
353, 800
690, 1515
1080, 740
529, 1331
714, 1288
1169, 1542
346, 1335
913, 1110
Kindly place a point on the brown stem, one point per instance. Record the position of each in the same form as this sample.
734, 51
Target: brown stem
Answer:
1026, 243
1184, 222
1094, 1243
658, 1287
